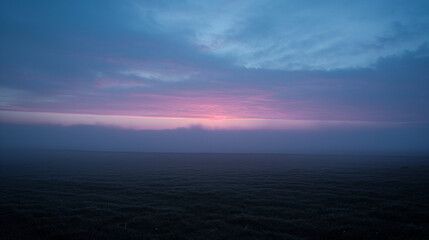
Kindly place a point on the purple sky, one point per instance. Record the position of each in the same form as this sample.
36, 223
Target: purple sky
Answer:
219, 65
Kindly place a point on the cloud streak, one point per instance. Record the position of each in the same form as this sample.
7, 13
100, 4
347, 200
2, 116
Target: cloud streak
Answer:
169, 77
162, 123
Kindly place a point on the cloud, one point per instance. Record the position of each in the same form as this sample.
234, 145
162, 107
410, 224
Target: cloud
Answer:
162, 123
118, 84
396, 89
300, 35
294, 60
165, 77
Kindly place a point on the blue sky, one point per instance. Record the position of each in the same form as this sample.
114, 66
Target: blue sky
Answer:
225, 65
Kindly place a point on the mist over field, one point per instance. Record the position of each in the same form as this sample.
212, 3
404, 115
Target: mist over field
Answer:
401, 140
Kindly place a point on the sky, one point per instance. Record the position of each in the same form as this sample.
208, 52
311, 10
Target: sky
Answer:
284, 70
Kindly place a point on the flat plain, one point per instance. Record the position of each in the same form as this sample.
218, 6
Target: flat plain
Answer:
107, 195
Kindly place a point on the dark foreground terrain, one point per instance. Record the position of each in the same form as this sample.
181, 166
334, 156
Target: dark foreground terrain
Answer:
101, 195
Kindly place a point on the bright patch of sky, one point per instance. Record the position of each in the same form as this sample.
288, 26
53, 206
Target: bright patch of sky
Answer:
299, 35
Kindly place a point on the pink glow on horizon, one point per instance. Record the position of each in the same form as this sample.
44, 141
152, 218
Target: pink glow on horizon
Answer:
184, 104
210, 104
111, 96
162, 123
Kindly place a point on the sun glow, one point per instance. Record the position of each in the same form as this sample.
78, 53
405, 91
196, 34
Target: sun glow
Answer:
162, 123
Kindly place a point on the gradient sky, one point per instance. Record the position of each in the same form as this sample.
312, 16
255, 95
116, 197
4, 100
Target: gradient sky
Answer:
225, 65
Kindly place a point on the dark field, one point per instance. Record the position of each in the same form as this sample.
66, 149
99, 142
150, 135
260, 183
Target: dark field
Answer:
100, 195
